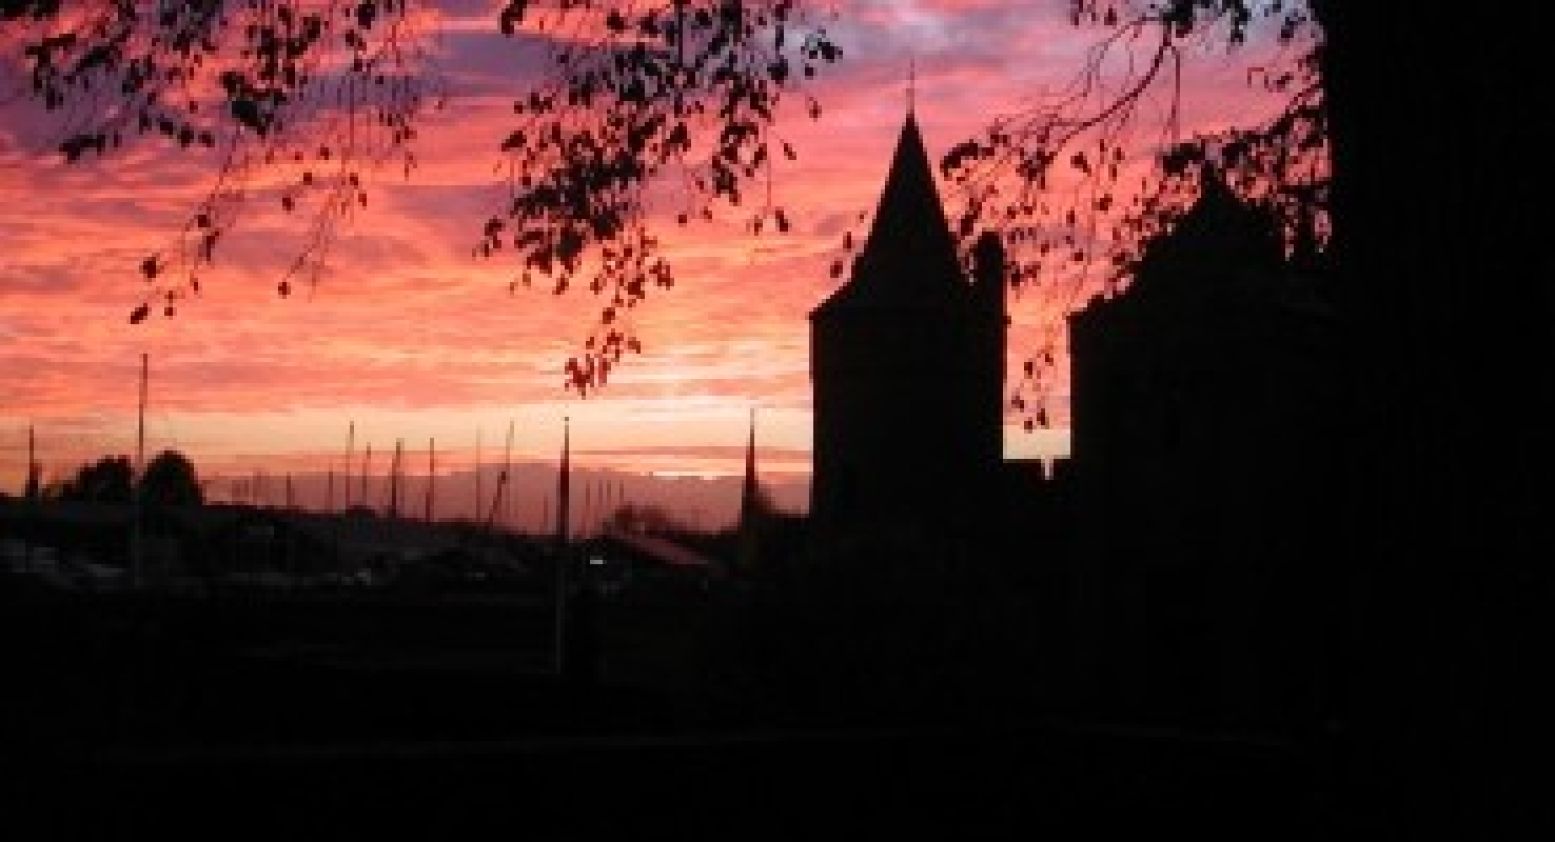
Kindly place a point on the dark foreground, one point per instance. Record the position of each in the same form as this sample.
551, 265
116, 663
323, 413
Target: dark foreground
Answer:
134, 718
793, 784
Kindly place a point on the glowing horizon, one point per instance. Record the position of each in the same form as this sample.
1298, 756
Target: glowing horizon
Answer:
411, 337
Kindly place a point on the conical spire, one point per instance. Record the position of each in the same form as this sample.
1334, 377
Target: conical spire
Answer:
910, 256
749, 496
750, 506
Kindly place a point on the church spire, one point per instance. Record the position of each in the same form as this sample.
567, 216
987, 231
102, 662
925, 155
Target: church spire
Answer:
748, 497
909, 258
750, 506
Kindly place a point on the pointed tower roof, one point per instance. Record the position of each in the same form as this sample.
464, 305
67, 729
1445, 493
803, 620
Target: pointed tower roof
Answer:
910, 258
749, 495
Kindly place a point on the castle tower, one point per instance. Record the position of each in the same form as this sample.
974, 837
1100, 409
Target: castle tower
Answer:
906, 366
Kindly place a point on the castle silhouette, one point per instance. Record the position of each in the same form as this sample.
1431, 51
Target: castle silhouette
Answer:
1181, 536
907, 367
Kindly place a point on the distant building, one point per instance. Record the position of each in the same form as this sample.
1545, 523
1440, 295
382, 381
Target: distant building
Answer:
907, 368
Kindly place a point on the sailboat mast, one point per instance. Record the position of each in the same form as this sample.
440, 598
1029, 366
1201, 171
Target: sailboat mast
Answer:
507, 468
367, 462
431, 475
136, 560
563, 486
350, 446
33, 479
502, 478
563, 494
140, 419
394, 480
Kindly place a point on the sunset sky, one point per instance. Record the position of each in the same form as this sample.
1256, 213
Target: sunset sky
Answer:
412, 337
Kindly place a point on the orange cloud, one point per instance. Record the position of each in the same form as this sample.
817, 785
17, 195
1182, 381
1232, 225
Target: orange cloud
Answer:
412, 337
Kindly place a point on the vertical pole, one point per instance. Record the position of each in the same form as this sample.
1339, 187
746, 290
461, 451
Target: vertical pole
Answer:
507, 463
30, 491
30, 494
140, 424
350, 445
563, 495
431, 475
478, 510
136, 561
291, 537
367, 463
394, 480
329, 490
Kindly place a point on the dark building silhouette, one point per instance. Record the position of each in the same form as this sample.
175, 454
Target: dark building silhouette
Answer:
907, 367
1203, 419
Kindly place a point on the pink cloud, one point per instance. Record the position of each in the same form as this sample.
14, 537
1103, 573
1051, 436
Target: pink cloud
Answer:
413, 337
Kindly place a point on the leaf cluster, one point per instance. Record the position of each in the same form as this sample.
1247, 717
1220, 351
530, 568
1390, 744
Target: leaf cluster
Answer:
294, 99
1079, 182
675, 101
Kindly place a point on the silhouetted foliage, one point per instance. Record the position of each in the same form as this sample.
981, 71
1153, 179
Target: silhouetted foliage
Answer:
689, 88
108, 480
322, 96
316, 95
170, 480
1082, 178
